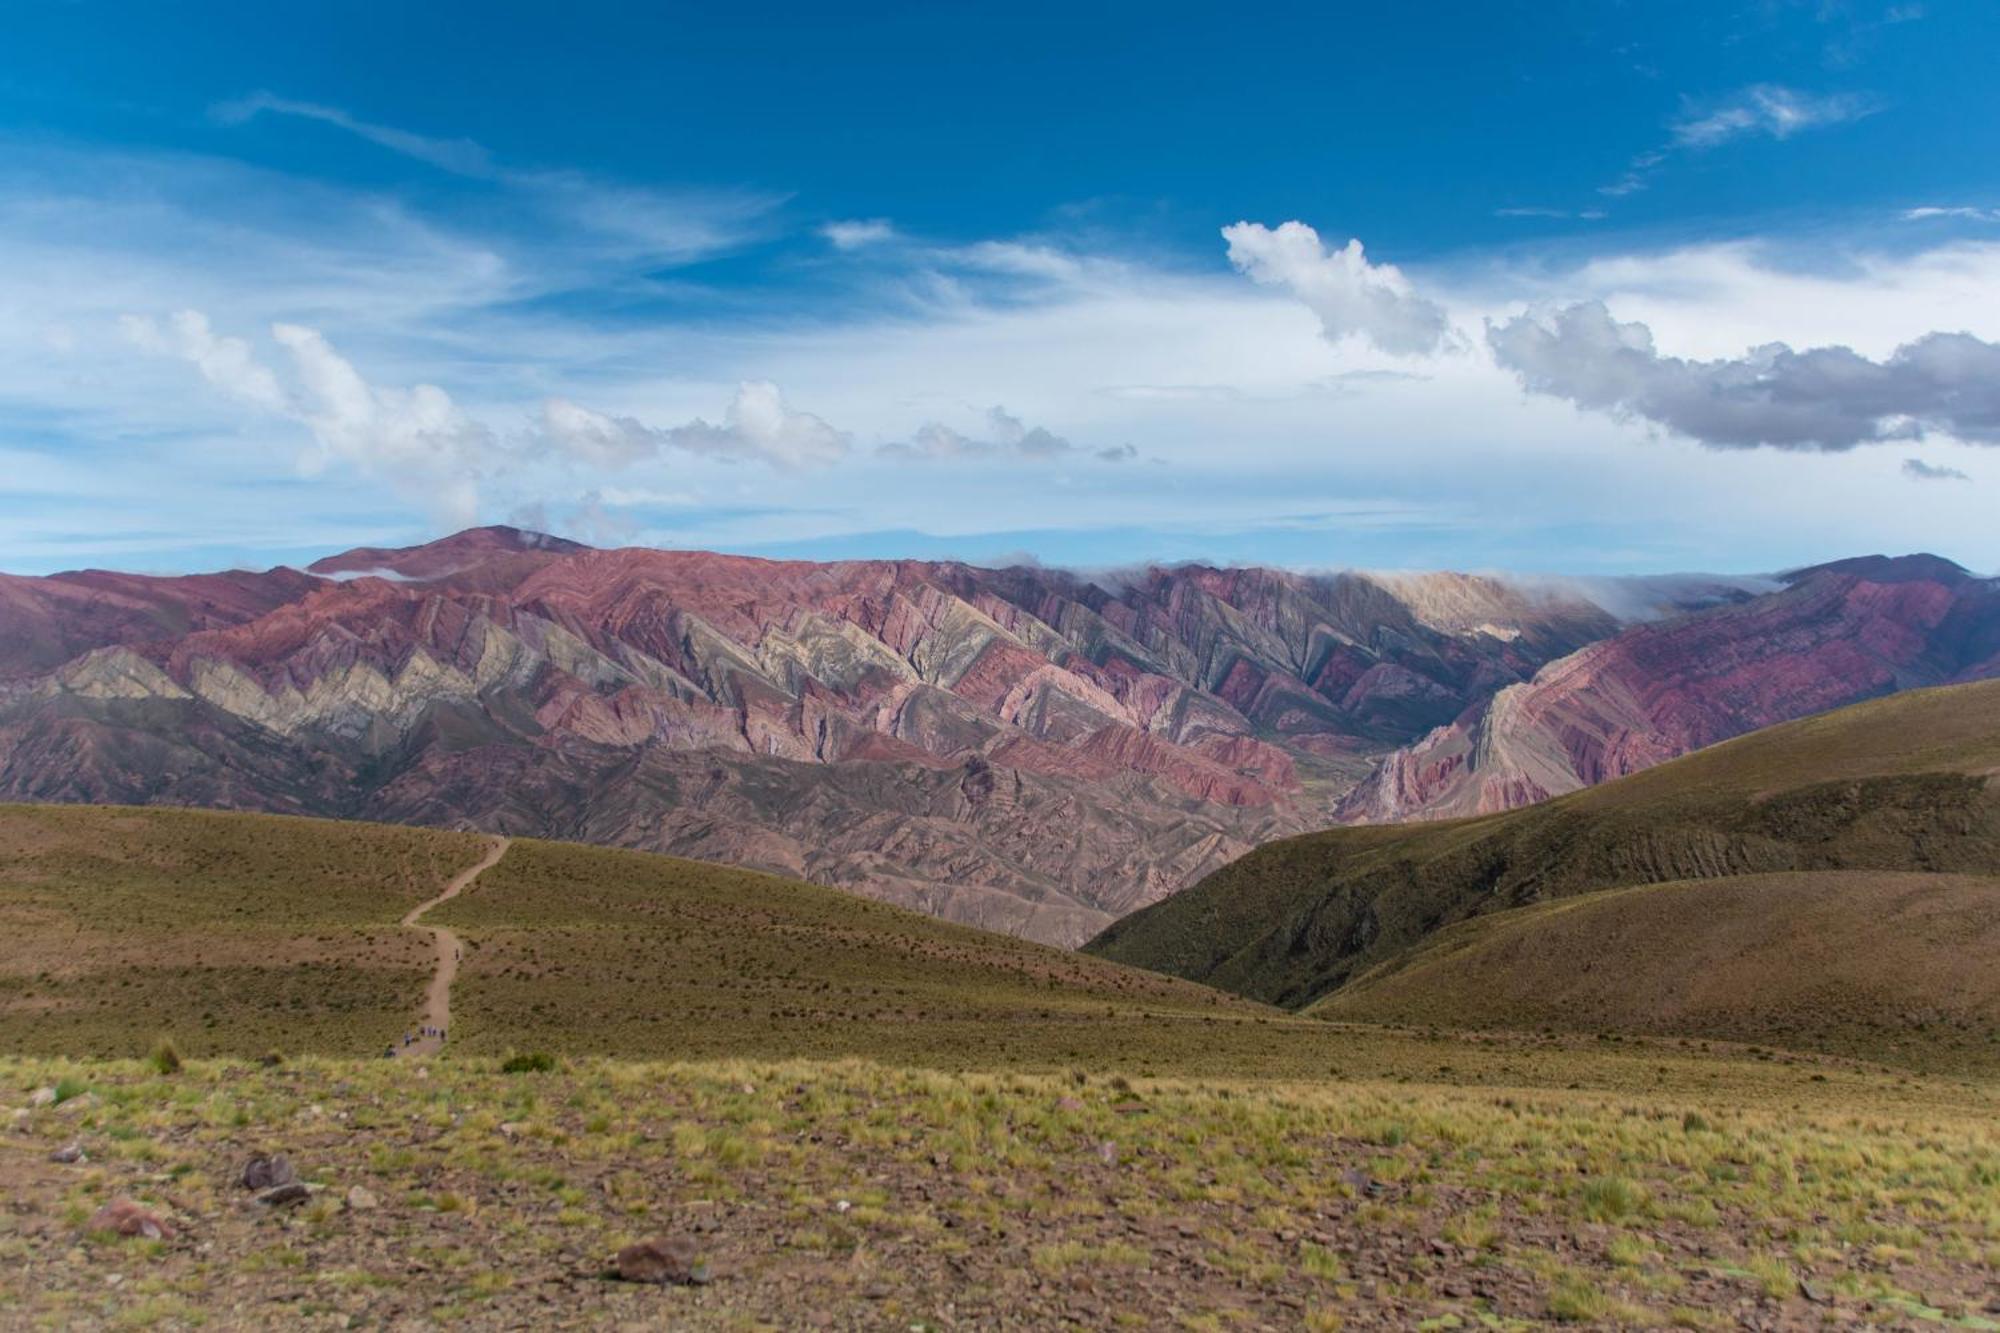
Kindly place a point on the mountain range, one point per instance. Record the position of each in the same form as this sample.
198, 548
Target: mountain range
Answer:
1026, 749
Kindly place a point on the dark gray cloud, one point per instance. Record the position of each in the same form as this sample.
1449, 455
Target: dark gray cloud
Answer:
1827, 398
1916, 469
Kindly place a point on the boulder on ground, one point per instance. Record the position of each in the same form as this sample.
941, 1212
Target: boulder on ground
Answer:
125, 1217
267, 1171
662, 1259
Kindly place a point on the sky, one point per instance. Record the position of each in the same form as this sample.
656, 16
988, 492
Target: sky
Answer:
1571, 286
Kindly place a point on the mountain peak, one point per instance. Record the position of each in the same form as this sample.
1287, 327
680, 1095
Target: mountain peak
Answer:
1918, 567
446, 555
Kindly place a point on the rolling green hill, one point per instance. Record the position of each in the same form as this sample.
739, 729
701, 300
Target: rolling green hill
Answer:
240, 934
1901, 784
233, 933
1864, 963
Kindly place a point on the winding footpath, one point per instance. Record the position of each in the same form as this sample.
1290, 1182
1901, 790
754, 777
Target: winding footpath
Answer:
437, 1001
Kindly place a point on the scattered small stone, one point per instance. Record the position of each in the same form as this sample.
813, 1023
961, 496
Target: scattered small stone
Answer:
1107, 1153
77, 1105
1131, 1106
841, 1205
267, 1171
1068, 1104
1813, 1292
360, 1200
509, 1129
42, 1097
283, 1196
662, 1260
124, 1217
70, 1154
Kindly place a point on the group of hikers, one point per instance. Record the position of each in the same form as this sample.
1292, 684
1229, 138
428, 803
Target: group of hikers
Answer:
412, 1038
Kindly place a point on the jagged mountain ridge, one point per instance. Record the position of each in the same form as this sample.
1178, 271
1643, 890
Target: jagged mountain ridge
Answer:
1023, 748
1833, 635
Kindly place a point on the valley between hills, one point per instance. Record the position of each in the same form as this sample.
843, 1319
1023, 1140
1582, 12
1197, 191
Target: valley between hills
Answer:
1656, 1010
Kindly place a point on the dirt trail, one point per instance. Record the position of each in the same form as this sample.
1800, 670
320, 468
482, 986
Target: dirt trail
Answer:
437, 1001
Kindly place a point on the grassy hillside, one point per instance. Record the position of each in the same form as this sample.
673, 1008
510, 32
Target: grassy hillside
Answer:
1897, 784
242, 934
232, 933
1862, 962
586, 949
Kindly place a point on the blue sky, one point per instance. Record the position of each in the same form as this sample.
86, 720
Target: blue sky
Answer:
1577, 287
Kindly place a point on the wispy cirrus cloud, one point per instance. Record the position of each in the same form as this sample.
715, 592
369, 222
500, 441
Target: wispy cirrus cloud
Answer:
1761, 110
1962, 212
630, 221
1537, 211
462, 157
858, 233
1767, 110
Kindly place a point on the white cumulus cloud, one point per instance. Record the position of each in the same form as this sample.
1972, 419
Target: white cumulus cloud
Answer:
1352, 297
758, 426
227, 363
415, 439
1003, 436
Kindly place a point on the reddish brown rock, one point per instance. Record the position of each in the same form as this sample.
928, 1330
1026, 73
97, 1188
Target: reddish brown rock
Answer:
125, 1217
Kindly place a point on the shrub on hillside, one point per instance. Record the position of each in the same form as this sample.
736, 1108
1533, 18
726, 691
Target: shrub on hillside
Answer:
534, 1062
165, 1057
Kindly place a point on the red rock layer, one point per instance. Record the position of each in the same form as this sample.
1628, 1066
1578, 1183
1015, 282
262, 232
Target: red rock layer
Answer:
1835, 635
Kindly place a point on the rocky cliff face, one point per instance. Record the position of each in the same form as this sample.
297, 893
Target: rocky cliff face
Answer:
1833, 635
1019, 748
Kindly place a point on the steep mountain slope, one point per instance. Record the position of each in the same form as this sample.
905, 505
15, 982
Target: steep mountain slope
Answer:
1836, 634
1904, 783
1871, 963
1023, 748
